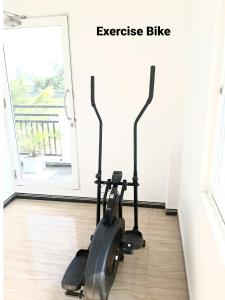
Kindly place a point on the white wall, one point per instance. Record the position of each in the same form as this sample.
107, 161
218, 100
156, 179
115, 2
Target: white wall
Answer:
121, 67
202, 231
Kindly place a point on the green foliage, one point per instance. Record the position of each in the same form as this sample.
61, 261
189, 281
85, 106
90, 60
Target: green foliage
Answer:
31, 141
28, 89
56, 81
45, 96
19, 89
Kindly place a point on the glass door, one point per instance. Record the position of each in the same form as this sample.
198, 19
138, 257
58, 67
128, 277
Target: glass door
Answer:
37, 60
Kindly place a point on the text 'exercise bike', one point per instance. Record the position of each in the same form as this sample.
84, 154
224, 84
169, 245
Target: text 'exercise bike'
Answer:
92, 271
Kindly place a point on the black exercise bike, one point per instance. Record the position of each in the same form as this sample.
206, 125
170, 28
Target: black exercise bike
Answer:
92, 271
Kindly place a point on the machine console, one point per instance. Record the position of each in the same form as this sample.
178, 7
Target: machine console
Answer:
116, 177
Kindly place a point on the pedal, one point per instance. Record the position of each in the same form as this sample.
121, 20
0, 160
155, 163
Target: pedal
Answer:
126, 248
135, 238
73, 278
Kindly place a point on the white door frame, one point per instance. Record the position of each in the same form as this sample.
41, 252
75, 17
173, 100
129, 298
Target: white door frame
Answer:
61, 21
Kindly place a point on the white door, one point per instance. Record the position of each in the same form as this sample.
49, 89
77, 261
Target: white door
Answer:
40, 96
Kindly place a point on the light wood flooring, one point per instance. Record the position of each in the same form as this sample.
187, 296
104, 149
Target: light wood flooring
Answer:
41, 238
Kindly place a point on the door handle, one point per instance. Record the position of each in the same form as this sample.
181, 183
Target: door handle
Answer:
65, 105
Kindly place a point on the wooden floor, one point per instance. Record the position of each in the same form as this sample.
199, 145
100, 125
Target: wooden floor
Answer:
42, 237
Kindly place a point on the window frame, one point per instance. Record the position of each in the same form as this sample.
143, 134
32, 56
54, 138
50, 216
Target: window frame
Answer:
219, 153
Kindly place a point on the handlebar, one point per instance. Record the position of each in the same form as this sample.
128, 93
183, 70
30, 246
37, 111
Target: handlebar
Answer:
99, 174
149, 100
92, 90
151, 84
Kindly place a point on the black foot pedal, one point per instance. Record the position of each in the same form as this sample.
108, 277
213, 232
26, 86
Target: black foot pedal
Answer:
135, 238
73, 279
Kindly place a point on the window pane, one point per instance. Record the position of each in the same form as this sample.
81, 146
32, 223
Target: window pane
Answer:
35, 67
34, 63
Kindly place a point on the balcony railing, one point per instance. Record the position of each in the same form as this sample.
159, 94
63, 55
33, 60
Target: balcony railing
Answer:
44, 123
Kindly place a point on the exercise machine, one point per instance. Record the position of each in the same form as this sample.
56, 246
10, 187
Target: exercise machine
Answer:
92, 271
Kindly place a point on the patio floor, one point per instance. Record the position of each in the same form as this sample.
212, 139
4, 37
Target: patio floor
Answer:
51, 173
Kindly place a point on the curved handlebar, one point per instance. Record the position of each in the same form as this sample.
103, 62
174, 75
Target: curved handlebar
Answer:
149, 100
92, 90
150, 96
151, 83
99, 174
